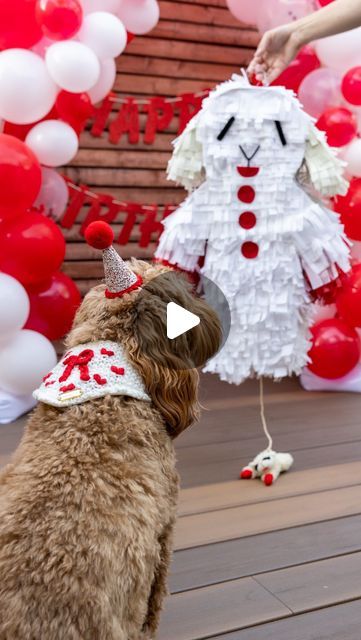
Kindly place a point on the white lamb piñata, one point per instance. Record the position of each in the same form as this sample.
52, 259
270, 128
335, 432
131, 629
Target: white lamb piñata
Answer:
266, 242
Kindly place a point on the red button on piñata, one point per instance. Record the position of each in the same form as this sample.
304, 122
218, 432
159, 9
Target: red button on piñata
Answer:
246, 194
247, 220
250, 250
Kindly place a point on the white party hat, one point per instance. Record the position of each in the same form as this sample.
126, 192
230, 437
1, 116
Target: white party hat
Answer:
118, 277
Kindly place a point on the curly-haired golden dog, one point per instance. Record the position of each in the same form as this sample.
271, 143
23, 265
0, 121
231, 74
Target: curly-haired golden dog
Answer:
88, 503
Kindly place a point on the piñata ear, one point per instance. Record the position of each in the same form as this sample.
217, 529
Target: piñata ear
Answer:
325, 169
186, 164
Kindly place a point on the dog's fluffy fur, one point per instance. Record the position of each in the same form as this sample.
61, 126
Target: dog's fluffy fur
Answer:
87, 505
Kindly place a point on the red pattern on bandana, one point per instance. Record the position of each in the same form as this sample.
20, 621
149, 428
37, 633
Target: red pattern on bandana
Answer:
105, 352
69, 387
118, 370
81, 361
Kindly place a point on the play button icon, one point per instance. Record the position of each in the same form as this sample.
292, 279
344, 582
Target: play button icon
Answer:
178, 324
179, 320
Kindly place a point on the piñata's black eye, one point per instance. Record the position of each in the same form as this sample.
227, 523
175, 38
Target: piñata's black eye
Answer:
226, 128
280, 132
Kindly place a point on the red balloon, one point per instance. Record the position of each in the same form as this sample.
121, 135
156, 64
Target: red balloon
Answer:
335, 350
21, 130
323, 3
340, 126
349, 207
32, 248
130, 37
20, 177
348, 300
59, 19
52, 309
351, 86
305, 62
74, 108
18, 24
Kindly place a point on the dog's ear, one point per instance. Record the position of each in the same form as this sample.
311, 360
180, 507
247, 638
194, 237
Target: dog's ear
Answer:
168, 367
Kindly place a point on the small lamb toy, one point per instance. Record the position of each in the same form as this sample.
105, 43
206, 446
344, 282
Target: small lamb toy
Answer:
267, 465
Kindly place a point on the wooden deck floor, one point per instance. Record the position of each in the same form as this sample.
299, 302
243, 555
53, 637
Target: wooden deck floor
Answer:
257, 563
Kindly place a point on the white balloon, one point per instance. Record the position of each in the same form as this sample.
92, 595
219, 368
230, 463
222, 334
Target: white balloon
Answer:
27, 92
108, 73
12, 406
24, 361
104, 33
14, 306
54, 194
341, 51
54, 142
352, 155
111, 6
73, 66
139, 16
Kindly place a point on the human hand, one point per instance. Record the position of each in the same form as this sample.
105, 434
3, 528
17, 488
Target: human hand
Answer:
278, 47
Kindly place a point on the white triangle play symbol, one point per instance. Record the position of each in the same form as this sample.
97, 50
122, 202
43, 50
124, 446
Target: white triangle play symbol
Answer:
179, 320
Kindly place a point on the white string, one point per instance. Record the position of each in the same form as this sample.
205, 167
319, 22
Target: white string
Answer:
263, 416
200, 94
90, 194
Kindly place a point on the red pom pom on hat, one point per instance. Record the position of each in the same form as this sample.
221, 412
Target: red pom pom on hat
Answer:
99, 235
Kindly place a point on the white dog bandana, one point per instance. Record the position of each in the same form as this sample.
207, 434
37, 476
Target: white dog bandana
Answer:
89, 371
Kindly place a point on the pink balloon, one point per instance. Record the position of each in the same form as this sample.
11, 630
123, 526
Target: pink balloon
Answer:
42, 46
319, 90
273, 13
54, 194
323, 312
139, 16
341, 51
356, 251
90, 6
244, 10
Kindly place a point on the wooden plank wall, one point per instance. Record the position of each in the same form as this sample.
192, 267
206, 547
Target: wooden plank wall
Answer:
196, 45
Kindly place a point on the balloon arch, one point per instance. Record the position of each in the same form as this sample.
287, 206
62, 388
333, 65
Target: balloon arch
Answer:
57, 61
